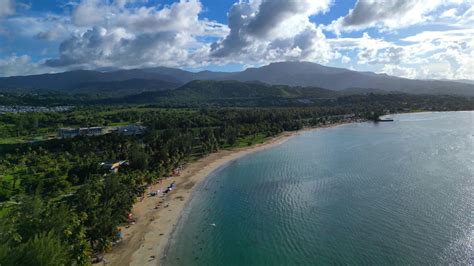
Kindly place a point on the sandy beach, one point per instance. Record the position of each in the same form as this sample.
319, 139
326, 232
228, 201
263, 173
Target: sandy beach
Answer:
144, 242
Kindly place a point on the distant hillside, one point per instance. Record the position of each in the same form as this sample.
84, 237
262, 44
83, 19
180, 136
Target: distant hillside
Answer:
235, 89
315, 75
74, 80
300, 74
356, 91
114, 89
465, 81
232, 91
306, 74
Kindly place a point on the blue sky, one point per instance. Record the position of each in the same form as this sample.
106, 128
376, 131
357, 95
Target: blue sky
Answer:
408, 38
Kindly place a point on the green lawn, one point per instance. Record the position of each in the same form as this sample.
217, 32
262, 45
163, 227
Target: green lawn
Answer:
248, 141
22, 139
12, 140
3, 210
7, 177
143, 109
124, 123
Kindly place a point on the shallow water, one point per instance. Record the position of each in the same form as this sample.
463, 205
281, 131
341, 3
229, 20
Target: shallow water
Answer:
387, 193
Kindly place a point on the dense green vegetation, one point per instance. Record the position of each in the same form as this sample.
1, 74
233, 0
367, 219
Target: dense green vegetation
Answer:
17, 128
44, 182
222, 94
59, 206
231, 93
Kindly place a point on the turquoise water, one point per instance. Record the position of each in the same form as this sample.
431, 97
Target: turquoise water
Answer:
387, 193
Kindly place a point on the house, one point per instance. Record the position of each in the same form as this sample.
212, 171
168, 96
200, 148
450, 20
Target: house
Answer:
114, 166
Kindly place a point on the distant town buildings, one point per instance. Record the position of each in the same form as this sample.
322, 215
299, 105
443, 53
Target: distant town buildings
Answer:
97, 131
32, 109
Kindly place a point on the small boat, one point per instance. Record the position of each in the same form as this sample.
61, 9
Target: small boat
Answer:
385, 120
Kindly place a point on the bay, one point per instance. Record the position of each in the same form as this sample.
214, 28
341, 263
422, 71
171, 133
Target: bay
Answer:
386, 193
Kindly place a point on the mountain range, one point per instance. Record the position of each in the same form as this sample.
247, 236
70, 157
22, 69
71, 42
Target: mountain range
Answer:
297, 74
232, 93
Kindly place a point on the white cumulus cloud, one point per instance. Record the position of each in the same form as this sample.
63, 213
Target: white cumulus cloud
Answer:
389, 14
117, 35
21, 65
274, 30
7, 8
94, 34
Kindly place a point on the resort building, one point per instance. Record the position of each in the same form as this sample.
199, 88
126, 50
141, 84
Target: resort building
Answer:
128, 130
68, 132
83, 131
97, 131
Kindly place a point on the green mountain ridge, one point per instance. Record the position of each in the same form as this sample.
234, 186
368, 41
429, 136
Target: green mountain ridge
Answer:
218, 91
298, 74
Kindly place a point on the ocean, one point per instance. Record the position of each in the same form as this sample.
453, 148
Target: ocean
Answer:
397, 192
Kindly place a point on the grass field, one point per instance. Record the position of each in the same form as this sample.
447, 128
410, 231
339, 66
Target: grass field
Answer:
248, 141
143, 110
12, 140
22, 139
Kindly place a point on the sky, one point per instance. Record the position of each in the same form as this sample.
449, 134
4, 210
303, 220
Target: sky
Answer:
424, 39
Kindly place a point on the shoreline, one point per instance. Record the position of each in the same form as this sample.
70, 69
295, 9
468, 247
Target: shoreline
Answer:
146, 241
